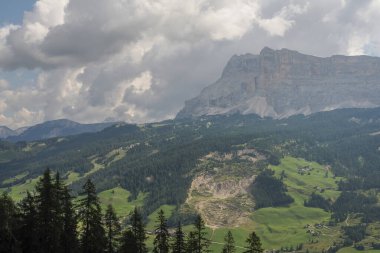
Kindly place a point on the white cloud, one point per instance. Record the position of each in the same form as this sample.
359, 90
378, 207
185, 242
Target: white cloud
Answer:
142, 83
356, 44
229, 21
283, 20
276, 26
3, 84
35, 32
138, 60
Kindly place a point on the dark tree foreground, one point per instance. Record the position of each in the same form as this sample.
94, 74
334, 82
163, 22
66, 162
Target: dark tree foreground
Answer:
229, 246
161, 241
178, 245
47, 221
113, 229
254, 244
92, 236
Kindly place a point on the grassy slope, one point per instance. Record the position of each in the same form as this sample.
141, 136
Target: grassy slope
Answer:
119, 199
18, 192
239, 234
284, 226
352, 250
17, 177
281, 226
168, 211
216, 236
72, 176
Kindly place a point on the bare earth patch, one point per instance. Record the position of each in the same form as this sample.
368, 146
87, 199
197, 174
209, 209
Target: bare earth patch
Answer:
221, 203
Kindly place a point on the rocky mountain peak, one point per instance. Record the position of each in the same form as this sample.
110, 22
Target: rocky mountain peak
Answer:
281, 83
266, 51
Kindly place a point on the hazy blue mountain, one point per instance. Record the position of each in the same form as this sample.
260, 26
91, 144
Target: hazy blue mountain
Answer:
5, 132
55, 128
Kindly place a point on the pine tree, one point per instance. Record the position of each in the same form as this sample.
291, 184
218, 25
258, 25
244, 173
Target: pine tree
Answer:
112, 227
191, 242
200, 234
8, 213
254, 244
161, 241
28, 231
229, 246
138, 230
69, 239
46, 215
178, 245
128, 243
58, 221
92, 237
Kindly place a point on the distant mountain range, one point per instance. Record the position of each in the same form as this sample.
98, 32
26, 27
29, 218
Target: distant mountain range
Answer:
50, 129
216, 166
281, 83
6, 132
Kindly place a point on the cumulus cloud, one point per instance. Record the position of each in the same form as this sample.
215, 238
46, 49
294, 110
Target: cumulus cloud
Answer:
138, 60
283, 19
4, 84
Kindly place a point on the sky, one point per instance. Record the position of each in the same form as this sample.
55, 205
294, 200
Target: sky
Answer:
139, 60
12, 11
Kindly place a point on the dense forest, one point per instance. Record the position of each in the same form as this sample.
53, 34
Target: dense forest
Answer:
344, 139
269, 191
50, 222
160, 159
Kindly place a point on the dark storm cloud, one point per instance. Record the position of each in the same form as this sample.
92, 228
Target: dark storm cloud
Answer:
139, 60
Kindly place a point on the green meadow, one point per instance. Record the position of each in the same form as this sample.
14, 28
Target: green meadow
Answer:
17, 177
353, 250
277, 227
119, 198
18, 192
286, 226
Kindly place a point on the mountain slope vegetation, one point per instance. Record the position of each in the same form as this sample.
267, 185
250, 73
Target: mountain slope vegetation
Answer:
158, 164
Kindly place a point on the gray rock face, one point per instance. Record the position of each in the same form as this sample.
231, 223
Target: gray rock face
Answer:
281, 83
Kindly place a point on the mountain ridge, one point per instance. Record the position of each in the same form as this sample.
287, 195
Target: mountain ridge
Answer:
206, 165
51, 129
6, 131
281, 83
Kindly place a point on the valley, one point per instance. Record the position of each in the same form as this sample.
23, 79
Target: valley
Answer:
211, 166
201, 126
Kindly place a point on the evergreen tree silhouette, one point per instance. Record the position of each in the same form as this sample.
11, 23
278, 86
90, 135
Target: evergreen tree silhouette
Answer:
161, 241
113, 228
229, 243
254, 244
178, 245
92, 236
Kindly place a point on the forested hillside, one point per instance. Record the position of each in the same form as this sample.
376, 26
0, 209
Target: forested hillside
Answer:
187, 165
48, 221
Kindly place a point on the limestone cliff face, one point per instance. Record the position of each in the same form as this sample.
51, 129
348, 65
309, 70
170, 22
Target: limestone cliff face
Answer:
281, 83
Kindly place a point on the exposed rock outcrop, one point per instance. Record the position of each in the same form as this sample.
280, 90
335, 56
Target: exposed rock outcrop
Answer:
281, 83
221, 203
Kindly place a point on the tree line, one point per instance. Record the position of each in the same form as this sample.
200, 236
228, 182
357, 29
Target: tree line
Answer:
270, 191
49, 221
